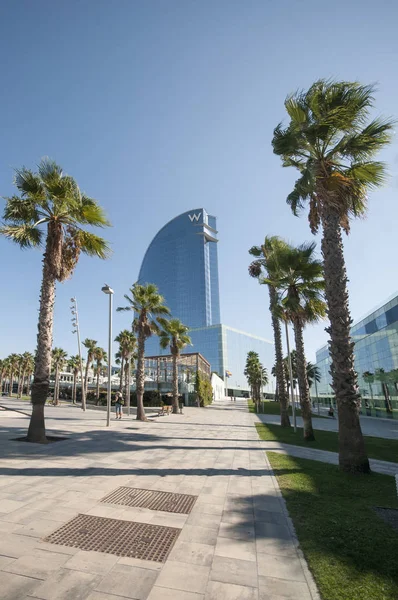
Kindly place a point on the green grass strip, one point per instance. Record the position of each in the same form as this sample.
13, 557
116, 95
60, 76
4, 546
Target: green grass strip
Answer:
351, 552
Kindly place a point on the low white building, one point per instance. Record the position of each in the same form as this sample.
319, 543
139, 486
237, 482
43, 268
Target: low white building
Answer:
218, 386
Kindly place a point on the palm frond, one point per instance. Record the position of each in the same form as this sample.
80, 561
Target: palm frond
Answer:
29, 184
92, 244
91, 213
26, 236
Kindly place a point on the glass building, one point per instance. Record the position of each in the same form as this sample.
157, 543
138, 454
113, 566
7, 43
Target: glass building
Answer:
376, 362
182, 260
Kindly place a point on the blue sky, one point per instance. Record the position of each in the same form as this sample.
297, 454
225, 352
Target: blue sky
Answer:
159, 106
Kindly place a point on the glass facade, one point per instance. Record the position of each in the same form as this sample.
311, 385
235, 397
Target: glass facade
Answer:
376, 361
226, 350
182, 261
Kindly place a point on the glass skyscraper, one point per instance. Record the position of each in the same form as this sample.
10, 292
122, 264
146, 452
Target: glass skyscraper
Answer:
182, 260
376, 361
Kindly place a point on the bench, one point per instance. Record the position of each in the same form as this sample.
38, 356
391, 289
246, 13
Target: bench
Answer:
164, 410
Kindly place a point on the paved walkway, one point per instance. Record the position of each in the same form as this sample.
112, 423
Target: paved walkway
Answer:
236, 544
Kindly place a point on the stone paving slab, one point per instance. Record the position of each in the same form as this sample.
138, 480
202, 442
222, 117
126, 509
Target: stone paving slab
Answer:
237, 543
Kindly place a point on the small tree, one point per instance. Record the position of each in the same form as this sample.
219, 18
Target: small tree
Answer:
58, 360
174, 335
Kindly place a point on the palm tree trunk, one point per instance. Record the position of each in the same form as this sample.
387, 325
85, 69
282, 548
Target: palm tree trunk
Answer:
127, 385
280, 376
352, 453
86, 375
19, 392
175, 384
74, 388
140, 376
305, 400
98, 376
56, 386
121, 375
41, 381
11, 386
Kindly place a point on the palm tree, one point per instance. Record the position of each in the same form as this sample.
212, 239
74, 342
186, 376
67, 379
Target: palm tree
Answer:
100, 357
313, 374
267, 264
27, 363
14, 361
59, 357
127, 345
74, 366
256, 375
330, 140
299, 283
4, 365
91, 346
148, 305
175, 336
51, 212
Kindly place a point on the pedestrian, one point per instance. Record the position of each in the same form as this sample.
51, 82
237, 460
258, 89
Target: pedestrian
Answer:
234, 399
118, 405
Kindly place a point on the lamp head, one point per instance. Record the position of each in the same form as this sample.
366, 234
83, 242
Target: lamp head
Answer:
107, 289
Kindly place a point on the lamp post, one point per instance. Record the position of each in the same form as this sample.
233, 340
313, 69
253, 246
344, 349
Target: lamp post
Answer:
109, 291
75, 323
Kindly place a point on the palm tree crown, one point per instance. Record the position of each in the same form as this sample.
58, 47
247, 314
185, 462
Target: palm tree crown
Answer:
51, 202
331, 145
174, 334
148, 305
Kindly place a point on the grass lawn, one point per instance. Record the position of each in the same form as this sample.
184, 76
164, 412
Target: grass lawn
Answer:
379, 448
269, 407
351, 552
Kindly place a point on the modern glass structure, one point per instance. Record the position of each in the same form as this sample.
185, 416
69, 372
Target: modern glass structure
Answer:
182, 260
376, 361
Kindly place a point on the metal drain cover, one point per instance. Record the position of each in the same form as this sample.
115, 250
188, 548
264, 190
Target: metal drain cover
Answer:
123, 538
152, 499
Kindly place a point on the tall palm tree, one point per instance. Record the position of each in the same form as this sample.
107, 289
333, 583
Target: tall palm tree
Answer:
59, 357
267, 264
74, 365
14, 361
100, 357
51, 212
29, 370
148, 305
120, 338
174, 335
91, 346
331, 142
300, 285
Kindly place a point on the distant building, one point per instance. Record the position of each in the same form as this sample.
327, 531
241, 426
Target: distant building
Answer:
376, 361
182, 260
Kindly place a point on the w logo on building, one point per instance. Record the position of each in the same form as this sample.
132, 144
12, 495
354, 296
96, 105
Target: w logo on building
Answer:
194, 217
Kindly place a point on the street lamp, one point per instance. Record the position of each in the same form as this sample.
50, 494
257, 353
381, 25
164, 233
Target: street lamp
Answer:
109, 291
75, 324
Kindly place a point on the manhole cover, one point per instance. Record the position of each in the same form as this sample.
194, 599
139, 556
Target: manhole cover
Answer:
154, 500
123, 538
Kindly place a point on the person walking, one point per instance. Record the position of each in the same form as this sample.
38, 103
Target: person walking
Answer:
118, 405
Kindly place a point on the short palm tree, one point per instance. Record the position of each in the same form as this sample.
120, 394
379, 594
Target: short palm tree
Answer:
148, 306
300, 285
174, 335
91, 346
266, 264
51, 212
127, 347
100, 357
256, 375
313, 374
74, 366
59, 357
14, 362
27, 364
331, 142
